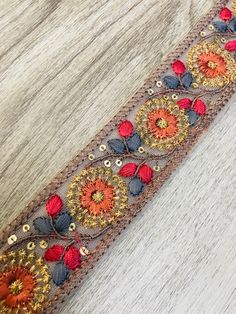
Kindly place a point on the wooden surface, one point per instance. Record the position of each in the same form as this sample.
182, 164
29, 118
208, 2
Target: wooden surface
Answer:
66, 67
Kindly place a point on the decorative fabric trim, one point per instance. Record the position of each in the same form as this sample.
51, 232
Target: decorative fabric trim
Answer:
57, 239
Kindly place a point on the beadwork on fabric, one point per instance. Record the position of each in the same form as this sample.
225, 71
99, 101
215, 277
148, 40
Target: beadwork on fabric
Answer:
52, 245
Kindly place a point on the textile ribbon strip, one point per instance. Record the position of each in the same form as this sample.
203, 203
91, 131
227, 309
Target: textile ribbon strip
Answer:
49, 248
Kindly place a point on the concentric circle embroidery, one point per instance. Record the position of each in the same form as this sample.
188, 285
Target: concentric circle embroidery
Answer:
211, 65
161, 124
24, 283
97, 197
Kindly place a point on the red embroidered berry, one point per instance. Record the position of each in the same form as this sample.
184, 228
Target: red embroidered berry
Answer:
54, 205
145, 173
54, 253
125, 128
72, 258
184, 103
128, 170
199, 107
225, 14
178, 67
231, 45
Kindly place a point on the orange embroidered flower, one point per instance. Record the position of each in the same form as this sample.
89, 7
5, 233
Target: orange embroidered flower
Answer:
161, 124
23, 283
97, 197
17, 286
211, 65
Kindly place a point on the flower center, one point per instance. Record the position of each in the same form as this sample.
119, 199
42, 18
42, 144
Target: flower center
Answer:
16, 287
162, 123
212, 65
97, 197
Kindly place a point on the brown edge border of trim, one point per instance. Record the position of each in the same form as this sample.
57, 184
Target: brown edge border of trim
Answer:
171, 165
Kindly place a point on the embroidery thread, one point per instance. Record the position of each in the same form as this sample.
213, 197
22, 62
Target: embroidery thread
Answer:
24, 282
71, 230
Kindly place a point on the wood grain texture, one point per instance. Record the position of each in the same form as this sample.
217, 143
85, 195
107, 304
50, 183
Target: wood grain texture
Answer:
66, 67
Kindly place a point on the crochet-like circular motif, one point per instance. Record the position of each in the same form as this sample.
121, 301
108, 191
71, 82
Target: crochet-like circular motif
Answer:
97, 197
161, 124
211, 65
24, 282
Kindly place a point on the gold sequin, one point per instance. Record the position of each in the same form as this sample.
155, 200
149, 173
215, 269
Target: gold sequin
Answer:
211, 27
107, 163
25, 228
91, 157
72, 227
43, 244
84, 251
102, 147
12, 239
156, 168
118, 162
159, 83
31, 246
141, 150
150, 92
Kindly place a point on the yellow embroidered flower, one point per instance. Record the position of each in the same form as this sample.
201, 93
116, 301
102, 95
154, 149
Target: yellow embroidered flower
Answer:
211, 65
24, 283
97, 197
161, 124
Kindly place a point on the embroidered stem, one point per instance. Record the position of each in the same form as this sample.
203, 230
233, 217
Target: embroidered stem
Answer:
139, 166
83, 237
60, 236
66, 247
213, 92
226, 34
126, 146
148, 157
88, 237
185, 91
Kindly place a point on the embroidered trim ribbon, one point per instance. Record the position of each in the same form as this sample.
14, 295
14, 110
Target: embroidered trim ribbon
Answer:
57, 239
